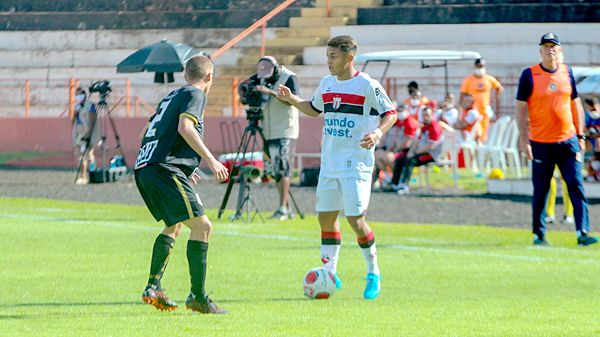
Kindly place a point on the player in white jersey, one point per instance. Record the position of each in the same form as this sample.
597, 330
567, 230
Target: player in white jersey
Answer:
357, 112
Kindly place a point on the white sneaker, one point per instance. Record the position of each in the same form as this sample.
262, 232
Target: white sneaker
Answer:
401, 189
568, 220
376, 185
550, 219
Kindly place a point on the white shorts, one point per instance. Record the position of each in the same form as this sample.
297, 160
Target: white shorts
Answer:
348, 194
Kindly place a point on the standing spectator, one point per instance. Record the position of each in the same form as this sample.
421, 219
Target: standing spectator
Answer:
280, 125
551, 132
85, 134
426, 150
357, 112
479, 85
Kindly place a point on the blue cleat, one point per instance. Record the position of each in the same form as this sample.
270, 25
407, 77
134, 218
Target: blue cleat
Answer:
373, 287
338, 281
586, 240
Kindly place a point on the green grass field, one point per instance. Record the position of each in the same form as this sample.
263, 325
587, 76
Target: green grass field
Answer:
78, 269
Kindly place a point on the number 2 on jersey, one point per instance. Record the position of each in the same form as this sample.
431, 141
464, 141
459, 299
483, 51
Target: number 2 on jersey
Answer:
152, 126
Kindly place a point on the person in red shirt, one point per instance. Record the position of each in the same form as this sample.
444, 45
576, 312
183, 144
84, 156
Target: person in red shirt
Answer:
426, 150
551, 125
396, 143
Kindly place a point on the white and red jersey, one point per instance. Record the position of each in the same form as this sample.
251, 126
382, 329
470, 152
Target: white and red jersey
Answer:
409, 128
432, 133
352, 109
471, 117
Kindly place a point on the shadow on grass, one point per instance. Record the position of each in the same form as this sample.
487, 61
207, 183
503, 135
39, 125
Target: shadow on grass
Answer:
67, 304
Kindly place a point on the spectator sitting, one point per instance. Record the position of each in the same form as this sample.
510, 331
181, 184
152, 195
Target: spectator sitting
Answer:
592, 130
469, 119
426, 150
447, 114
415, 100
396, 144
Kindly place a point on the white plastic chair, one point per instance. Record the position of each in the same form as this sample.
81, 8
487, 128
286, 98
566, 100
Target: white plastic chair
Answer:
469, 146
511, 148
493, 148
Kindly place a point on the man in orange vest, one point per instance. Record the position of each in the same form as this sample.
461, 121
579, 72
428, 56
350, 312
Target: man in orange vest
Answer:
550, 118
480, 85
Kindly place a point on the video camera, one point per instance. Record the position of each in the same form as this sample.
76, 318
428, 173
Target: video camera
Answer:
101, 87
254, 99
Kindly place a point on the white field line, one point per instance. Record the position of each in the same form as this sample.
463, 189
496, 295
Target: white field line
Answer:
477, 253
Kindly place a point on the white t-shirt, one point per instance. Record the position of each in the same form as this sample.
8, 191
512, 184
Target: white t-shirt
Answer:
449, 116
352, 109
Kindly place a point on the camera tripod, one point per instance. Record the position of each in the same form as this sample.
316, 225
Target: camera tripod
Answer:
245, 192
103, 113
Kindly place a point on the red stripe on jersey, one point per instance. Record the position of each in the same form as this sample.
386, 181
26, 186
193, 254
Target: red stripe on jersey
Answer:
365, 239
346, 98
389, 112
331, 235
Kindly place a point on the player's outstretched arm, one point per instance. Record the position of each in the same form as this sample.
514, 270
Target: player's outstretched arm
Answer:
187, 130
285, 94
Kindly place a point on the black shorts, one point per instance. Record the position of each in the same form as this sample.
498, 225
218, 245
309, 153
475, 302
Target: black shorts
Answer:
168, 193
281, 150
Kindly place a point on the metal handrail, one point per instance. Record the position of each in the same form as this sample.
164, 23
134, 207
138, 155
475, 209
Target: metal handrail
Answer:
262, 22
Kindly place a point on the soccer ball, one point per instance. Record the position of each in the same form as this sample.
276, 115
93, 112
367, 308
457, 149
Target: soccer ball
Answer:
319, 283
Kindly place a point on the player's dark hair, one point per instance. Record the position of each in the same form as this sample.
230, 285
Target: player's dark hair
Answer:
197, 67
344, 42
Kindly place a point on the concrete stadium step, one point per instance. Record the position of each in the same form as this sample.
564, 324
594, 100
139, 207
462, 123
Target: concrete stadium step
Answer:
232, 18
349, 3
350, 12
480, 13
298, 22
137, 5
40, 58
322, 31
121, 39
295, 41
66, 58
461, 34
241, 71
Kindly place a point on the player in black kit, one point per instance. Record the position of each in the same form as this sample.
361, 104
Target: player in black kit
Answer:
165, 171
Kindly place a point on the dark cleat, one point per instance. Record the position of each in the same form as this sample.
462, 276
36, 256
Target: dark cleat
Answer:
158, 299
539, 240
204, 307
586, 240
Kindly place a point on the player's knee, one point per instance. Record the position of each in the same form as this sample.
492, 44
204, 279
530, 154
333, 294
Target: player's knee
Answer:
201, 224
173, 231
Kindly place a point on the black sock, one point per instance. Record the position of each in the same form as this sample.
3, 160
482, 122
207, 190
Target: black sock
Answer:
196, 255
160, 258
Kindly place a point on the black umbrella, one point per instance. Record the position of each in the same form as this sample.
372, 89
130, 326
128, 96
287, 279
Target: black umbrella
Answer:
163, 57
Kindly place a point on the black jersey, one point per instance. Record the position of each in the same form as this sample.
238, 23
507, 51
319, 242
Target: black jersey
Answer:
162, 143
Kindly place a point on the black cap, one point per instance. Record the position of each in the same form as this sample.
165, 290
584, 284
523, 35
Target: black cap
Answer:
480, 62
550, 37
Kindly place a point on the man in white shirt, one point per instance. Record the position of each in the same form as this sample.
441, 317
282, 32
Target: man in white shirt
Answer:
357, 112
